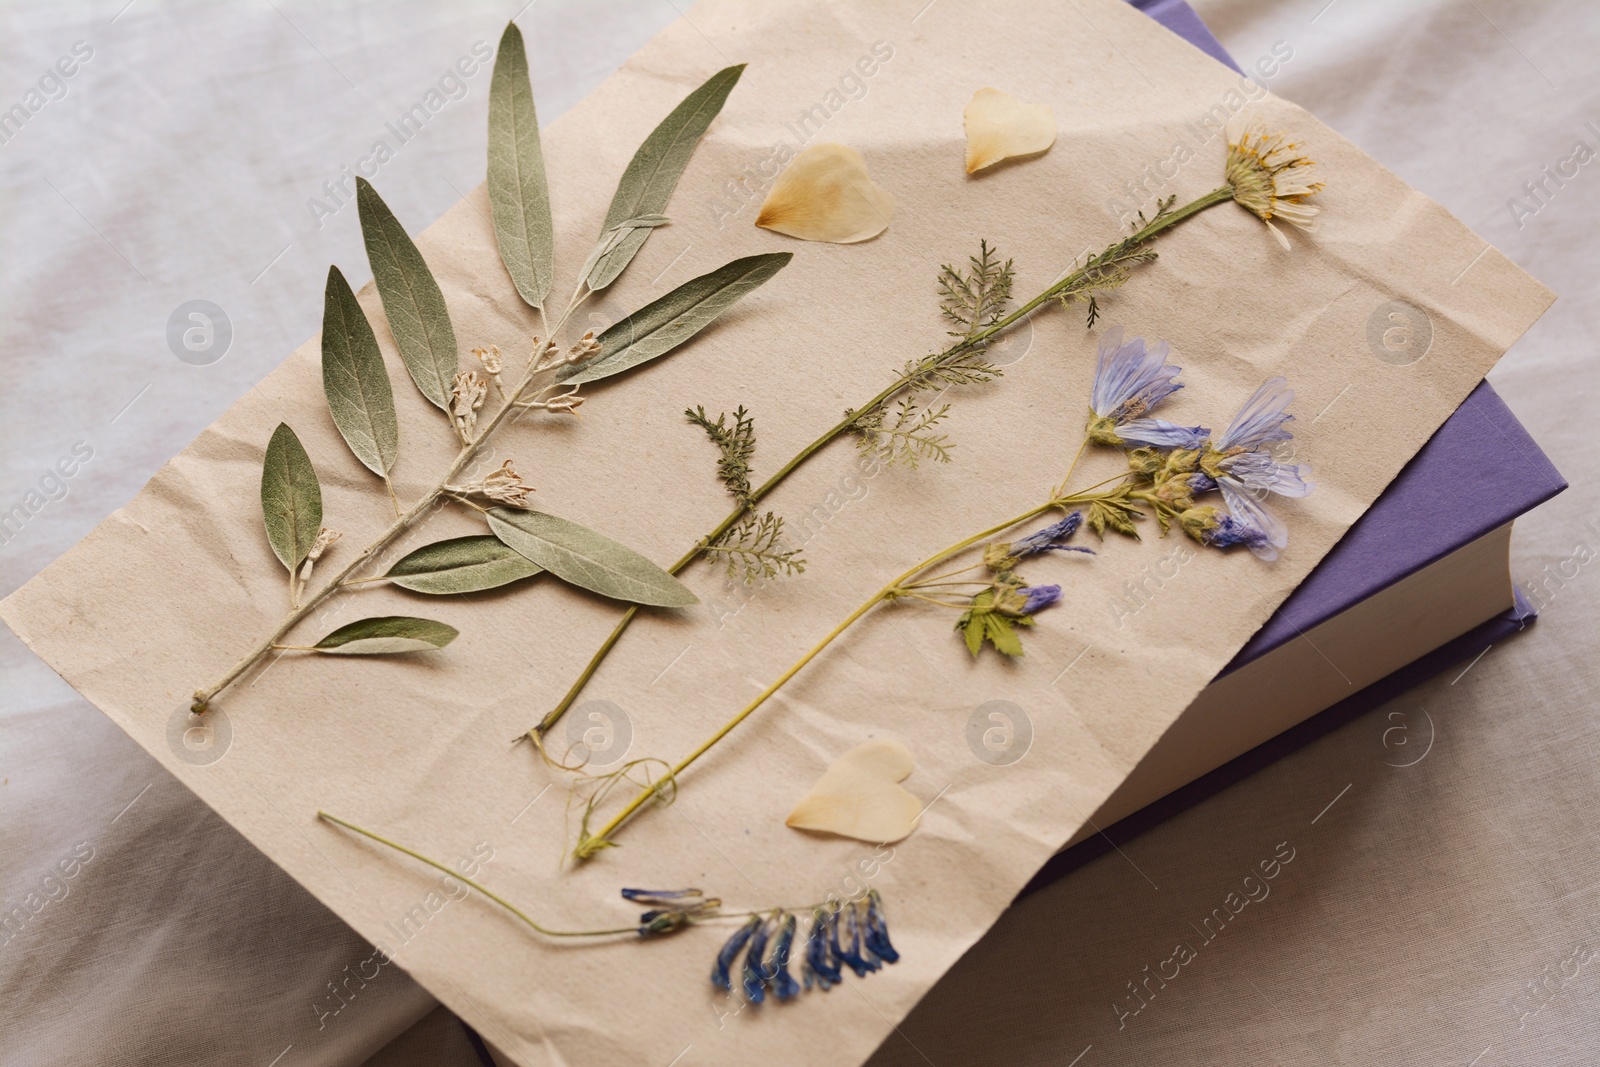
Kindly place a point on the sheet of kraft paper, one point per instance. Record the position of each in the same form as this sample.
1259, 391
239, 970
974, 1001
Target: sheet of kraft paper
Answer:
169, 591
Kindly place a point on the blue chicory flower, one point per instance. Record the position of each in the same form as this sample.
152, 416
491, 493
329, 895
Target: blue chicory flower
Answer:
1129, 381
878, 930
1246, 471
818, 966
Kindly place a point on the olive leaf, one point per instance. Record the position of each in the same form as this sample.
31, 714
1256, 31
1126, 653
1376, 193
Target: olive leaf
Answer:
461, 565
664, 324
652, 174
291, 498
587, 559
355, 379
411, 298
386, 635
519, 196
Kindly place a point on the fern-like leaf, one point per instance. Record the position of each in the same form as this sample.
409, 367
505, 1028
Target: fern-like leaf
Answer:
736, 443
905, 434
754, 550
975, 299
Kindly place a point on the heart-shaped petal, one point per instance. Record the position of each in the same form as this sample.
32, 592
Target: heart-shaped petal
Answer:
826, 194
999, 126
860, 796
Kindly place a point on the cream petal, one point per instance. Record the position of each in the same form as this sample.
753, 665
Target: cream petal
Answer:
999, 126
826, 194
860, 796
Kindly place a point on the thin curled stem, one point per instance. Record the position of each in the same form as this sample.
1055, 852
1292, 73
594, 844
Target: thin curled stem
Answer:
474, 885
1080, 280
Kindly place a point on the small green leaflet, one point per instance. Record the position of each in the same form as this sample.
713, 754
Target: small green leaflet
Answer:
461, 565
587, 559
664, 324
355, 380
653, 173
412, 301
386, 635
291, 499
519, 196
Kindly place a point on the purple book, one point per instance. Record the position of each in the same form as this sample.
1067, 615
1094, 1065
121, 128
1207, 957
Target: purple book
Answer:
1481, 455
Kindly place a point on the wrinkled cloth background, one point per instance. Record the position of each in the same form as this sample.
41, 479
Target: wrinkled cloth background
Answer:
1418, 907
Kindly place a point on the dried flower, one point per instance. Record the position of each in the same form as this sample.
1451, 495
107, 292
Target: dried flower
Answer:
1129, 381
502, 485
999, 126
730, 951
325, 537
467, 394
1268, 179
1240, 465
490, 358
585, 347
1038, 597
826, 194
673, 909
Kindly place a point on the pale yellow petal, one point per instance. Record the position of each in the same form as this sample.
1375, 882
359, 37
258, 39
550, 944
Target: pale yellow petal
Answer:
999, 126
826, 194
860, 796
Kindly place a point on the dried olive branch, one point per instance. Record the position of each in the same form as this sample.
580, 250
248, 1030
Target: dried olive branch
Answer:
203, 697
471, 884
1103, 270
589, 844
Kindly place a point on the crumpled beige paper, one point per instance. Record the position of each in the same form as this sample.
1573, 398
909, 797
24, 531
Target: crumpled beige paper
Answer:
168, 591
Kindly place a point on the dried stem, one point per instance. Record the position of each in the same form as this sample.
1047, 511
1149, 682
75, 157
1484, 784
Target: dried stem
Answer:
1083, 279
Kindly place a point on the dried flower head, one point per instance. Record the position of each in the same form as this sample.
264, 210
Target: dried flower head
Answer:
999, 126
565, 404
544, 354
490, 358
585, 347
826, 194
504, 486
1268, 178
467, 393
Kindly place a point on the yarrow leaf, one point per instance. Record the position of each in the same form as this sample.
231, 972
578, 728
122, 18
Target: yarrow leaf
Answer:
904, 435
587, 559
412, 302
736, 443
291, 498
519, 194
386, 635
754, 549
356, 383
975, 299
461, 565
646, 186
665, 323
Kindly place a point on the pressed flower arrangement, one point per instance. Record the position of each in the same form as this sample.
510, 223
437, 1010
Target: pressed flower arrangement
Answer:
825, 194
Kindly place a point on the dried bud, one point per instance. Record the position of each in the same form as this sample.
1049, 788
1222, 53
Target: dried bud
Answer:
566, 404
490, 358
544, 355
504, 486
467, 393
325, 537
586, 347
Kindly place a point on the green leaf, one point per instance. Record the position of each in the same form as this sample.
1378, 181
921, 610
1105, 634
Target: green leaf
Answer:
653, 173
1001, 634
664, 324
386, 635
587, 559
461, 565
519, 196
291, 498
355, 379
412, 301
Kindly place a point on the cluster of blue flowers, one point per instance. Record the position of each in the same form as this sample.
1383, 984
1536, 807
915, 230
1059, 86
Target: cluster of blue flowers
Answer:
853, 934
1131, 379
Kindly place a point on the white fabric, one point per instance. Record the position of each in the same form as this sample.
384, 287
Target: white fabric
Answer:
1417, 910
